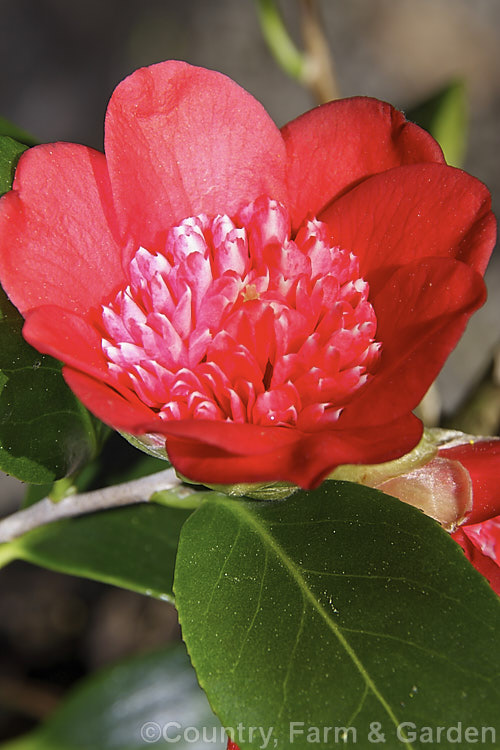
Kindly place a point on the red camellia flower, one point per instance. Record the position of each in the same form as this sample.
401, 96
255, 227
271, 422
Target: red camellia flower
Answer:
273, 303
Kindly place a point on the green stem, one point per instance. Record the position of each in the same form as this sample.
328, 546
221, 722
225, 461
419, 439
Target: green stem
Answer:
281, 45
8, 553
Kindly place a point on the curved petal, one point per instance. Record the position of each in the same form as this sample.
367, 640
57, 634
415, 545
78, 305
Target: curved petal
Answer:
421, 313
107, 404
362, 444
224, 453
74, 341
239, 439
67, 337
182, 140
334, 146
132, 415
414, 212
57, 230
484, 563
481, 458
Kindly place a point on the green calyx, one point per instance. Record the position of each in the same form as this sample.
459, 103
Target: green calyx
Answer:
257, 490
372, 475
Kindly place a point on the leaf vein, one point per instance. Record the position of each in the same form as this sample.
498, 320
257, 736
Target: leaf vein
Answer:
252, 623
292, 656
417, 646
403, 579
221, 572
261, 529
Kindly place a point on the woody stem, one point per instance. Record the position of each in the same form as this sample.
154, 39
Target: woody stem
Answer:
128, 493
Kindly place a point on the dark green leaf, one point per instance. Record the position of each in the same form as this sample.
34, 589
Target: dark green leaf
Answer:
133, 547
10, 151
117, 462
36, 492
339, 607
125, 707
13, 131
444, 115
45, 432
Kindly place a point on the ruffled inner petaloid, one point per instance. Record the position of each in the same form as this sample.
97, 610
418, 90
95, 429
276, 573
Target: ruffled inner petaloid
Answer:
235, 320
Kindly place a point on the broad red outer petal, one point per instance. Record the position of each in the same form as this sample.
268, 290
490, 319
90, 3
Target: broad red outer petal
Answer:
224, 452
130, 414
182, 140
56, 230
482, 460
303, 459
363, 444
334, 146
414, 212
231, 437
107, 404
67, 337
76, 342
483, 563
421, 313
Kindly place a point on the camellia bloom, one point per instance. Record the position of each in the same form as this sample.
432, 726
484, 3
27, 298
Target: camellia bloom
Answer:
272, 303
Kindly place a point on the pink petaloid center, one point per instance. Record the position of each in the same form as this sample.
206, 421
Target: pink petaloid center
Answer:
236, 321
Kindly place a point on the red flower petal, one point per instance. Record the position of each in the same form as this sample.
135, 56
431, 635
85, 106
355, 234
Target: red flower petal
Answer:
225, 453
239, 439
66, 336
421, 313
481, 458
73, 340
181, 141
107, 404
333, 147
414, 212
56, 230
363, 444
482, 562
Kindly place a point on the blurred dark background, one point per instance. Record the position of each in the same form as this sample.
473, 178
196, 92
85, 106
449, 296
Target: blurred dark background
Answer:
59, 62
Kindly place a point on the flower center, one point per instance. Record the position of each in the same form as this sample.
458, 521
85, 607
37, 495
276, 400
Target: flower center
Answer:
236, 321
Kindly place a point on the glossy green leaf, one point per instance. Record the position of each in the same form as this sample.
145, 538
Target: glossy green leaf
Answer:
10, 151
129, 706
133, 547
340, 607
445, 116
45, 432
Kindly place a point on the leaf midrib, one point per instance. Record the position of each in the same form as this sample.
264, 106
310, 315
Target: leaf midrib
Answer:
239, 509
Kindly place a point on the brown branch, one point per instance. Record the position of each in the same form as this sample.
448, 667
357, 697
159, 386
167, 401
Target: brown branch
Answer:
319, 74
